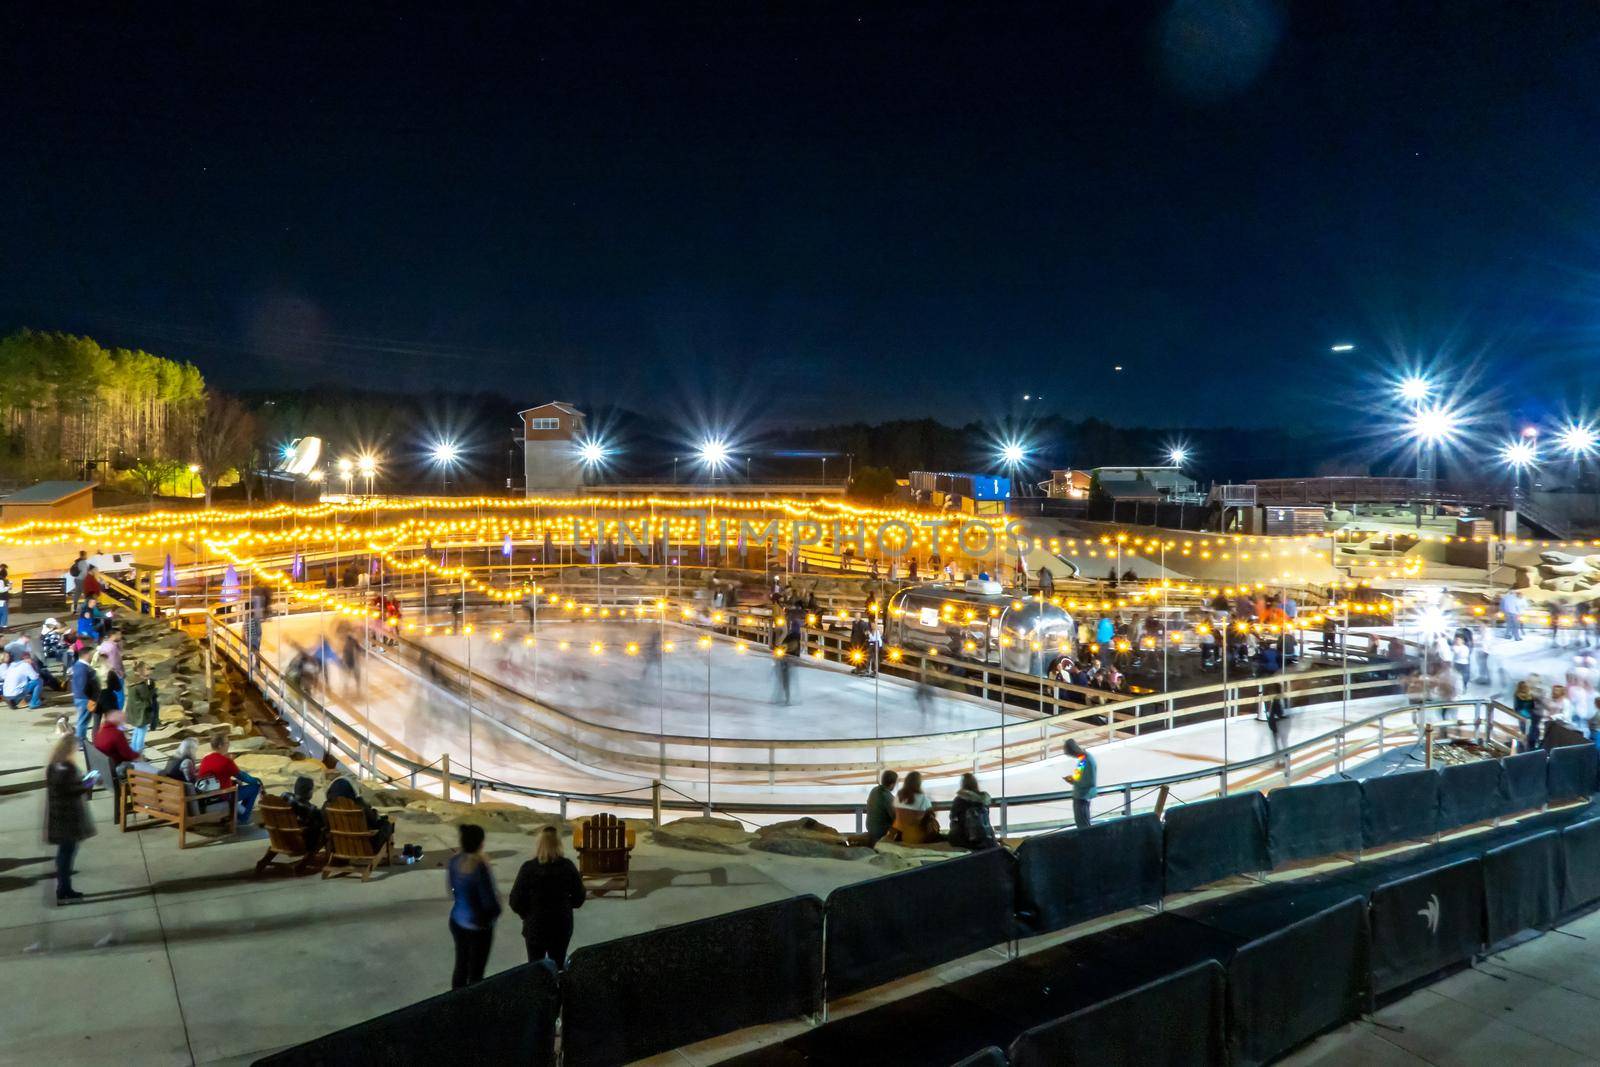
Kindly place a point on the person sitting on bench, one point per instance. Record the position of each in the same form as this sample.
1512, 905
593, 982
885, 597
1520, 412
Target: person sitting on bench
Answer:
219, 765
382, 828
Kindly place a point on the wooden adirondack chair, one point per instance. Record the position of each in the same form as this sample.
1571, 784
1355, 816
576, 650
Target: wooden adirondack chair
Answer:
286, 837
604, 844
350, 840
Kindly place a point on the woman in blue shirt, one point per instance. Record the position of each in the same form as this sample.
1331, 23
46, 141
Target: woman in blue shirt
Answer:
476, 906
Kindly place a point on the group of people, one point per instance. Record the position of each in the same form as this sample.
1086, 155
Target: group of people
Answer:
906, 815
1572, 703
544, 895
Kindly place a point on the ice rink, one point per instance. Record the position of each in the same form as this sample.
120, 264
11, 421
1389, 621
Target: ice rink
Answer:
510, 739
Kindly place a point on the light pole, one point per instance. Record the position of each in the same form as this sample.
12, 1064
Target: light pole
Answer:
194, 468
346, 467
445, 455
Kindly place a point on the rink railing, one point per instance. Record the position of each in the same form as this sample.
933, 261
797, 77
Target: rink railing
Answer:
349, 742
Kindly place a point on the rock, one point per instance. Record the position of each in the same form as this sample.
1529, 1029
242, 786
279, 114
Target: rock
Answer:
1557, 570
889, 862
260, 763
700, 834
917, 855
1557, 558
810, 847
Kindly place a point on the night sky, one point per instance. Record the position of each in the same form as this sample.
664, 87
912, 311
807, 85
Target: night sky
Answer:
818, 212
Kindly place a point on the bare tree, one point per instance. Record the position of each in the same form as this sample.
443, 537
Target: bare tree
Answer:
224, 437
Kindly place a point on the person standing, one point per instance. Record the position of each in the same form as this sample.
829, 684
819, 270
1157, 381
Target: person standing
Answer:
5, 596
75, 574
547, 891
67, 821
85, 689
1526, 704
475, 907
143, 704
1082, 780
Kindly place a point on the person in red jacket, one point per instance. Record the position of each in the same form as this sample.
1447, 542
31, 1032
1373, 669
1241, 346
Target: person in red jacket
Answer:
219, 765
111, 740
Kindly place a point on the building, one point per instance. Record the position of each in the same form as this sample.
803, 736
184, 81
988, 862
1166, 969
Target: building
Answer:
48, 502
961, 491
1068, 484
1150, 484
551, 436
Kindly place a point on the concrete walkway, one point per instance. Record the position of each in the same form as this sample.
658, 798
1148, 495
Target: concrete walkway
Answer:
1537, 1003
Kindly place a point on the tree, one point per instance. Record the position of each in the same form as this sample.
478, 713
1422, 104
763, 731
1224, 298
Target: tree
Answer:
872, 483
223, 440
151, 473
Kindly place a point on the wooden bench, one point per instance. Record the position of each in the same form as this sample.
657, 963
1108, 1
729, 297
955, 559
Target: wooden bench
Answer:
43, 594
604, 844
286, 836
350, 840
167, 800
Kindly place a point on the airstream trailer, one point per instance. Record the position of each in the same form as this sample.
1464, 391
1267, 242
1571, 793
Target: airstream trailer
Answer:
981, 622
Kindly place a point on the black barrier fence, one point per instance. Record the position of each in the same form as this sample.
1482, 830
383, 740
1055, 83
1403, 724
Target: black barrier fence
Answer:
1326, 954
1469, 793
1212, 839
887, 928
1580, 867
641, 995
1175, 1020
1425, 924
509, 1017
1307, 821
1522, 782
1071, 876
1399, 807
1522, 886
1570, 773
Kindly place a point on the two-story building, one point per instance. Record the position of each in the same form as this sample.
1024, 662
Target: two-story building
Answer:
552, 435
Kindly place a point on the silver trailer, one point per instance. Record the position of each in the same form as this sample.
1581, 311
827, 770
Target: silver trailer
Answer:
980, 622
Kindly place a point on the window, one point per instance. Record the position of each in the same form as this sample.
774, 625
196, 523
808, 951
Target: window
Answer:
544, 424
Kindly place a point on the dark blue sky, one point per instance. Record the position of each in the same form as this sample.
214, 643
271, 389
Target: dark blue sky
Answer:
820, 211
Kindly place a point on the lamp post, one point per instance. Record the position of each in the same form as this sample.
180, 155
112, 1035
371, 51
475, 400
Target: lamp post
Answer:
346, 468
445, 455
194, 468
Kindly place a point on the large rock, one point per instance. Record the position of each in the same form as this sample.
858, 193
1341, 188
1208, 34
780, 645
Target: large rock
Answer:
700, 834
807, 837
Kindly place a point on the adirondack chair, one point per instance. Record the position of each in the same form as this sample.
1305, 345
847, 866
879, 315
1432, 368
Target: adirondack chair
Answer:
350, 840
286, 837
604, 844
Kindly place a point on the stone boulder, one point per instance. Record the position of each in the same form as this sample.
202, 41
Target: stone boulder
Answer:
807, 837
700, 834
915, 855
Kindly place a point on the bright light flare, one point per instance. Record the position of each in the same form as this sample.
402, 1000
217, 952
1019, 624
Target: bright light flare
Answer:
714, 452
1578, 439
1012, 453
1434, 424
1177, 454
1414, 388
1519, 454
592, 452
445, 453
366, 465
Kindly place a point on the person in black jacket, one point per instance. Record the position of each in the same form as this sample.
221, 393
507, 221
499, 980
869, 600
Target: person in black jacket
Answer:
67, 820
545, 893
382, 826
